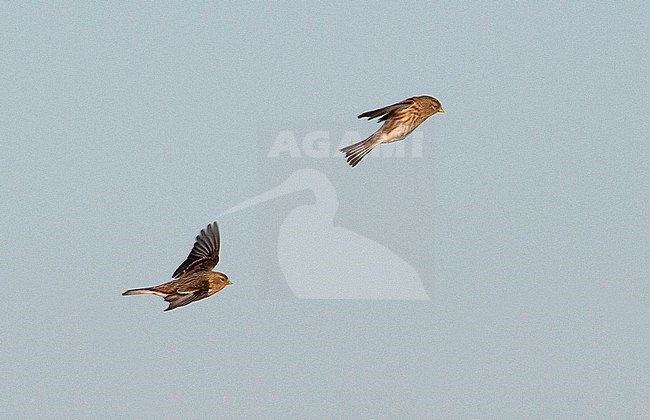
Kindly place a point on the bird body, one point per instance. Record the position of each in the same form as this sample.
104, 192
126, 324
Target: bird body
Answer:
194, 278
400, 119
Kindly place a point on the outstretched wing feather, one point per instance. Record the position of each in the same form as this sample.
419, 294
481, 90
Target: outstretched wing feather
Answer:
178, 299
387, 111
204, 255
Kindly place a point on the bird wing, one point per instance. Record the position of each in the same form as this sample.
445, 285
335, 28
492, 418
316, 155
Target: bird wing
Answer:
205, 252
181, 299
387, 111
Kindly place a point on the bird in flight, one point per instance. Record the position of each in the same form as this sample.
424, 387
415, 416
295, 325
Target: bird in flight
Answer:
194, 278
401, 119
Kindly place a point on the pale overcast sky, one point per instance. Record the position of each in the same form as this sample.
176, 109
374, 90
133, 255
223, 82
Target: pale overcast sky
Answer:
126, 127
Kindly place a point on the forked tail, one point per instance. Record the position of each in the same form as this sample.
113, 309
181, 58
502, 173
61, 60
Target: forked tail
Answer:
357, 151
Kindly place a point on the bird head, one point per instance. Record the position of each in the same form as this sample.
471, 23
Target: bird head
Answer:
436, 106
225, 279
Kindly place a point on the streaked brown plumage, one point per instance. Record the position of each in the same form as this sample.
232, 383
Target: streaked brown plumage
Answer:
195, 279
401, 119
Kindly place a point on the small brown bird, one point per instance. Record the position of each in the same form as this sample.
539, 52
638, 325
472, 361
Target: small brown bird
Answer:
195, 279
401, 119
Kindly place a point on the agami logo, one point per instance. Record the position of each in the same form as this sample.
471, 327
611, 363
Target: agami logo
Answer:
322, 261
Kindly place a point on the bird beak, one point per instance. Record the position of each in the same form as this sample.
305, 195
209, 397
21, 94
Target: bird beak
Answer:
441, 110
229, 282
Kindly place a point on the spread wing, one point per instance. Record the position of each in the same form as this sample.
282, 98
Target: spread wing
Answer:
205, 252
387, 111
181, 299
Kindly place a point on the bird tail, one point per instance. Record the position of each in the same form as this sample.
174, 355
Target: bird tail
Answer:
143, 291
355, 152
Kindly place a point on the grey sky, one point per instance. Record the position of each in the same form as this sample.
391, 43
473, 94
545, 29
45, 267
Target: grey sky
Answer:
127, 127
